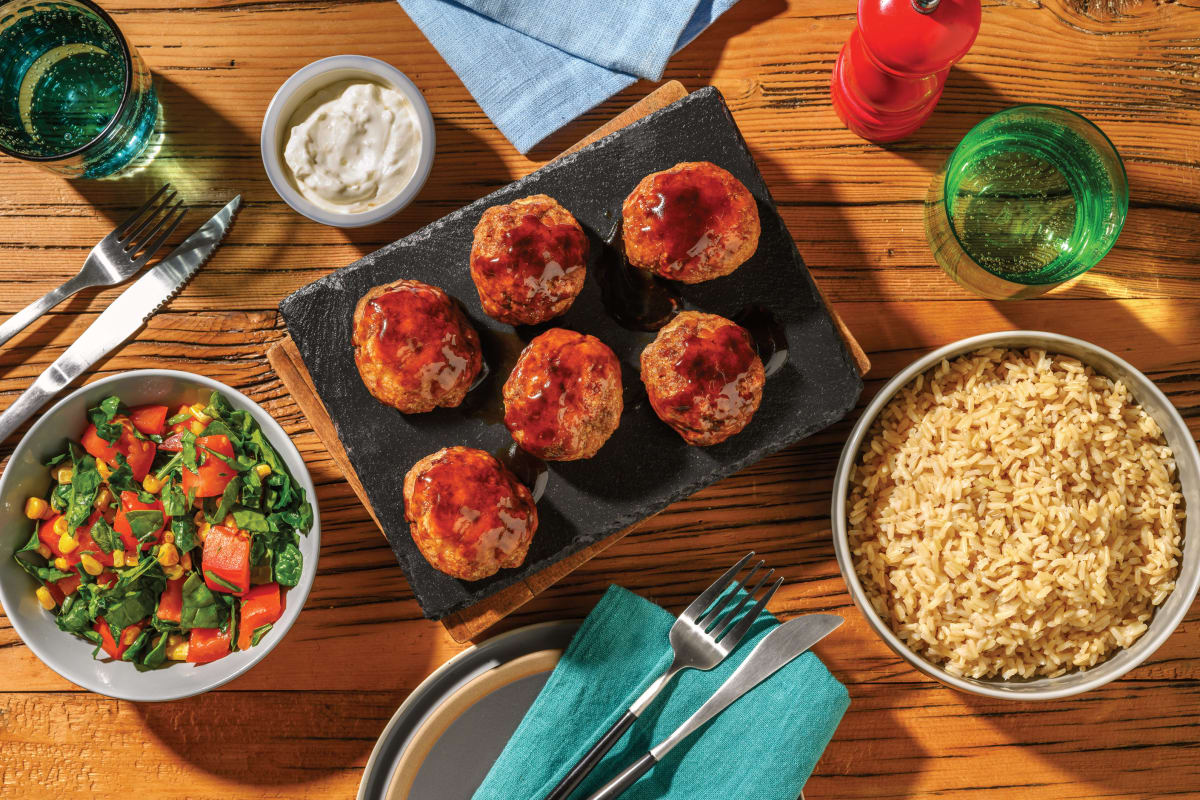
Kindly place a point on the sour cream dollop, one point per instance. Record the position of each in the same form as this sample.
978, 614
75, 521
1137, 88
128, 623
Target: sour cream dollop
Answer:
353, 146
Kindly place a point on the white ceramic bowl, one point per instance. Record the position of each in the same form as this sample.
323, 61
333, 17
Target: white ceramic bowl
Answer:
298, 88
25, 475
1187, 458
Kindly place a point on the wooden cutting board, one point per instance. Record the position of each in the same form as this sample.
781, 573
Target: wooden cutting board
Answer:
471, 622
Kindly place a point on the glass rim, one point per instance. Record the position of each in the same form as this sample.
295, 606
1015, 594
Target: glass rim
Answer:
126, 94
1024, 107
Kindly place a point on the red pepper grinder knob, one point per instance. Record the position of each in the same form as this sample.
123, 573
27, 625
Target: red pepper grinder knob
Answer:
890, 73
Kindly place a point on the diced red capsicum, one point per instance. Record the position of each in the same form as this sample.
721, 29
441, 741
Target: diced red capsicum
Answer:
261, 605
83, 535
130, 502
150, 420
116, 649
68, 585
215, 474
227, 556
170, 604
207, 644
138, 452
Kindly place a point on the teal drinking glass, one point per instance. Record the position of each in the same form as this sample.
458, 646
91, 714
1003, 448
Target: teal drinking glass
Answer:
1033, 196
75, 96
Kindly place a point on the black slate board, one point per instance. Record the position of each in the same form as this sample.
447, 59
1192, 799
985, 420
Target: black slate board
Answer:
645, 465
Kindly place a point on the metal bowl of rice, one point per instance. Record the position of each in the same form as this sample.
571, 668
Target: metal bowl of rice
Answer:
1017, 515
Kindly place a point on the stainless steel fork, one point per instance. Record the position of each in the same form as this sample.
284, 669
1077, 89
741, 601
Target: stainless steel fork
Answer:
114, 260
702, 637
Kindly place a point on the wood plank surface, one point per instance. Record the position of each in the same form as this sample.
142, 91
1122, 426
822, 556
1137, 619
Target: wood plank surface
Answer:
301, 724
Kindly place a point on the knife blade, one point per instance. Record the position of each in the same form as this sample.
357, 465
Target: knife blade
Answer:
123, 317
777, 649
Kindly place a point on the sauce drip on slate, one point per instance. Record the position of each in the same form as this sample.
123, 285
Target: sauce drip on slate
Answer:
472, 501
534, 254
689, 207
768, 334
636, 299
419, 334
529, 469
713, 365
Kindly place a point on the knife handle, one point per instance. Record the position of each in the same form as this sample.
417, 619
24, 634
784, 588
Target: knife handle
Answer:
48, 384
617, 786
586, 764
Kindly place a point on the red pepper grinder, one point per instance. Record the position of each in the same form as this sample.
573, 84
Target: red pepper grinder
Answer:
890, 73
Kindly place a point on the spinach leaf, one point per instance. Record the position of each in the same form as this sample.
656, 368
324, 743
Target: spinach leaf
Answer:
125, 606
188, 442
248, 519
252, 490
288, 565
58, 459
225, 505
105, 537
173, 500
169, 467
121, 478
85, 482
217, 579
219, 428
74, 617
182, 416
144, 522
32, 562
259, 633
156, 655
258, 444
60, 498
143, 638
200, 606
102, 417
185, 533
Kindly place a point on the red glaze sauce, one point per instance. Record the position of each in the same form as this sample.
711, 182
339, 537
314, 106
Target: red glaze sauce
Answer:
475, 502
550, 377
690, 208
713, 365
420, 331
534, 254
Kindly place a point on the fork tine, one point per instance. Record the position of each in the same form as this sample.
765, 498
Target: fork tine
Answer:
145, 225
706, 622
731, 639
727, 619
168, 227
123, 227
701, 603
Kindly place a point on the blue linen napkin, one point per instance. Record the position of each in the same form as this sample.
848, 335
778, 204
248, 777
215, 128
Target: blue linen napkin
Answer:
532, 83
763, 746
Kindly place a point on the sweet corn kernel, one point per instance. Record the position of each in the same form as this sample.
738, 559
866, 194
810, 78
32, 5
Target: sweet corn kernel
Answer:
118, 558
35, 507
169, 537
61, 564
196, 427
174, 572
103, 498
177, 650
44, 551
67, 543
198, 518
45, 598
60, 526
168, 555
198, 412
152, 484
90, 565
186, 560
229, 521
104, 469
129, 636
64, 475
263, 470
202, 531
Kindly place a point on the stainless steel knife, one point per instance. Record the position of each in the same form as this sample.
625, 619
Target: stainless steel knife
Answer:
776, 650
123, 317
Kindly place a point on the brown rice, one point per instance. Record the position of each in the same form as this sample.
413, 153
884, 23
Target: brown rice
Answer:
1015, 514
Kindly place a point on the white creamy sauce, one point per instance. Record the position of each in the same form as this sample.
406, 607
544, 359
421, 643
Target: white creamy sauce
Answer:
353, 146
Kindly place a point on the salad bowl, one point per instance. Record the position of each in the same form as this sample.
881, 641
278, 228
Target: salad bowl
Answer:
27, 476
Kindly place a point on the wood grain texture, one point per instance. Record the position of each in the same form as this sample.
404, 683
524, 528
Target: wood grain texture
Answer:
302, 723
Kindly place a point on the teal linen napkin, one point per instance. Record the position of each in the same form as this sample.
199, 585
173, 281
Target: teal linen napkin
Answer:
764, 746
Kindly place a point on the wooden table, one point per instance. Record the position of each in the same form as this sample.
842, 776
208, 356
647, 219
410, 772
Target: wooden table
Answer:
302, 723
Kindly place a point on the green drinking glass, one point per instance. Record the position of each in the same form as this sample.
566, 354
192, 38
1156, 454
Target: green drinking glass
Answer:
1033, 196
75, 96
